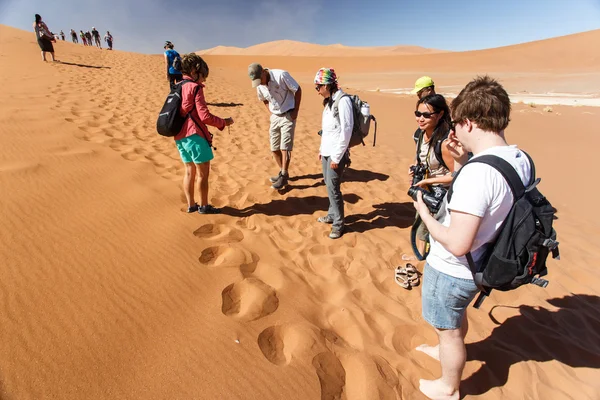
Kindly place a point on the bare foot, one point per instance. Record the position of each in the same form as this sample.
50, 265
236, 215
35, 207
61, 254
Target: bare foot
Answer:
431, 351
436, 390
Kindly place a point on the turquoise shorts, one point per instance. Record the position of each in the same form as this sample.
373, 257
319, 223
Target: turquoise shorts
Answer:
194, 149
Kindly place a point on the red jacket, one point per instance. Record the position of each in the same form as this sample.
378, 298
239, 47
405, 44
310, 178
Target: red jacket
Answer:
200, 112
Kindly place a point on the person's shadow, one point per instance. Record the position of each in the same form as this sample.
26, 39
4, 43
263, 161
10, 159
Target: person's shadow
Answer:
230, 104
350, 175
83, 65
401, 215
288, 207
570, 335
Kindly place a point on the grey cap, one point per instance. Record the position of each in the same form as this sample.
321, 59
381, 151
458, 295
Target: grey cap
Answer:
255, 72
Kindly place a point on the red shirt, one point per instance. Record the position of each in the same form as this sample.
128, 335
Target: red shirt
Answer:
200, 112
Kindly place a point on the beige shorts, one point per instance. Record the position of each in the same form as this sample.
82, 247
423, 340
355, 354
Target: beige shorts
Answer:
281, 132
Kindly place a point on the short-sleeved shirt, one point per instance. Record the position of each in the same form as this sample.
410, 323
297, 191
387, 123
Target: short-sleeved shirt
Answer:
279, 92
479, 190
171, 56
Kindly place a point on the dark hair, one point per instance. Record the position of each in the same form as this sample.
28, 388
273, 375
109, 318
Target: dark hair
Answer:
38, 18
485, 102
332, 87
429, 89
438, 103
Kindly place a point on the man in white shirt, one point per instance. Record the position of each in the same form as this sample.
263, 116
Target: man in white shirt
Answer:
480, 202
281, 94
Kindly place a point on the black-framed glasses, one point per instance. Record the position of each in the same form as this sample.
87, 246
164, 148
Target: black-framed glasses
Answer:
425, 115
317, 87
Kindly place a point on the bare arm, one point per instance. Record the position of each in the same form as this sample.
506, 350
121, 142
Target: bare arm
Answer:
297, 100
266, 103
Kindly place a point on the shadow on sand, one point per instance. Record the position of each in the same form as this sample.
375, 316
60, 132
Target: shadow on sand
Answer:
225, 104
350, 175
82, 65
570, 335
288, 207
401, 215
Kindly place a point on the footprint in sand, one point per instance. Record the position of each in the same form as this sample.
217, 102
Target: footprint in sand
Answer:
219, 232
332, 375
224, 256
271, 343
370, 377
249, 300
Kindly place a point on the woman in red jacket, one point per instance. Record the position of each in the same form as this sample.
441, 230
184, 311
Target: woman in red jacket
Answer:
194, 141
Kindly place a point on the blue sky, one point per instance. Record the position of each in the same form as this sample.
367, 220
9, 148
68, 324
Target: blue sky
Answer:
144, 25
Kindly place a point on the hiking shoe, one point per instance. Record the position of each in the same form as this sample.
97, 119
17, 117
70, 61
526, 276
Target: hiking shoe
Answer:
336, 233
281, 182
325, 220
208, 209
193, 208
273, 179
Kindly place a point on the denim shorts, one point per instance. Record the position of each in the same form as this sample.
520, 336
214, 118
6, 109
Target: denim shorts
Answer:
445, 298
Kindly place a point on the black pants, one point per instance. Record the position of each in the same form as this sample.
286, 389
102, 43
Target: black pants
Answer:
173, 79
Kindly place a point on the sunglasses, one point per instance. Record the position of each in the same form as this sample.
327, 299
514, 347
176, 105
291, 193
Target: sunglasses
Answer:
425, 115
318, 87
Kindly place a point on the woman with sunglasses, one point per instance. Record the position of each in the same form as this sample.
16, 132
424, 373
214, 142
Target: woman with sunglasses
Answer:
336, 131
433, 117
433, 159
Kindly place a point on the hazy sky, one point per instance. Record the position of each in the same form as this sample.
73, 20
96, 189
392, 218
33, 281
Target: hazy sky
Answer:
144, 25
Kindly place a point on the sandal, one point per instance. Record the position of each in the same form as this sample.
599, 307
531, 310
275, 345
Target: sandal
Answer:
407, 277
413, 274
401, 278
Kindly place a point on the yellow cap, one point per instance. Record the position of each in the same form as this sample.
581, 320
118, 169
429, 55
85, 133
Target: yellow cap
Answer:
422, 83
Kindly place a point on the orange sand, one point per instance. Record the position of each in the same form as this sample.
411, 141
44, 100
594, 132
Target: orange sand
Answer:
110, 290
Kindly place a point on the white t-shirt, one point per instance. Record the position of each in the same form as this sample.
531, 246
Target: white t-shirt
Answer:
279, 92
337, 131
482, 191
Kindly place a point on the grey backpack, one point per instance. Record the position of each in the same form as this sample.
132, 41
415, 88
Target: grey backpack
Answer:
362, 119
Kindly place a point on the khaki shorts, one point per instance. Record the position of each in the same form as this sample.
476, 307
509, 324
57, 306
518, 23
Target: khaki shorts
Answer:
281, 132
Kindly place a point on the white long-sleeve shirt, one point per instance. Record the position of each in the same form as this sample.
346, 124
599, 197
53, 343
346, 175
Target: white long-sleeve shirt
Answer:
337, 131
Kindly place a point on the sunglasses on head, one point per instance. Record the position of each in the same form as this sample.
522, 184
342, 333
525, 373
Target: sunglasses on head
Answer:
425, 115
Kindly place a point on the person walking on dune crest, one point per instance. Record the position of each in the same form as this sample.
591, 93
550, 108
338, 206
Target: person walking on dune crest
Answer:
281, 94
109, 40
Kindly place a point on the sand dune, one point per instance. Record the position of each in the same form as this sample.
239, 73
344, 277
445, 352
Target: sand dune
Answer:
110, 290
302, 49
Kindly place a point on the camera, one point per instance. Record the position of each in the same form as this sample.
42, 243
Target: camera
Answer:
433, 199
419, 172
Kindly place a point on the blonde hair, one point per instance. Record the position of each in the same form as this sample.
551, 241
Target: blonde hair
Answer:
192, 61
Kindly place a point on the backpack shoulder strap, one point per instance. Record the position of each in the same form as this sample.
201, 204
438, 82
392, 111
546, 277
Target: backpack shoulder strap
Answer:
506, 170
437, 150
336, 103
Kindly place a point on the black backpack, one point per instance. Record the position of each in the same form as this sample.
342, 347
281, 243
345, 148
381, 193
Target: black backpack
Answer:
518, 255
170, 122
